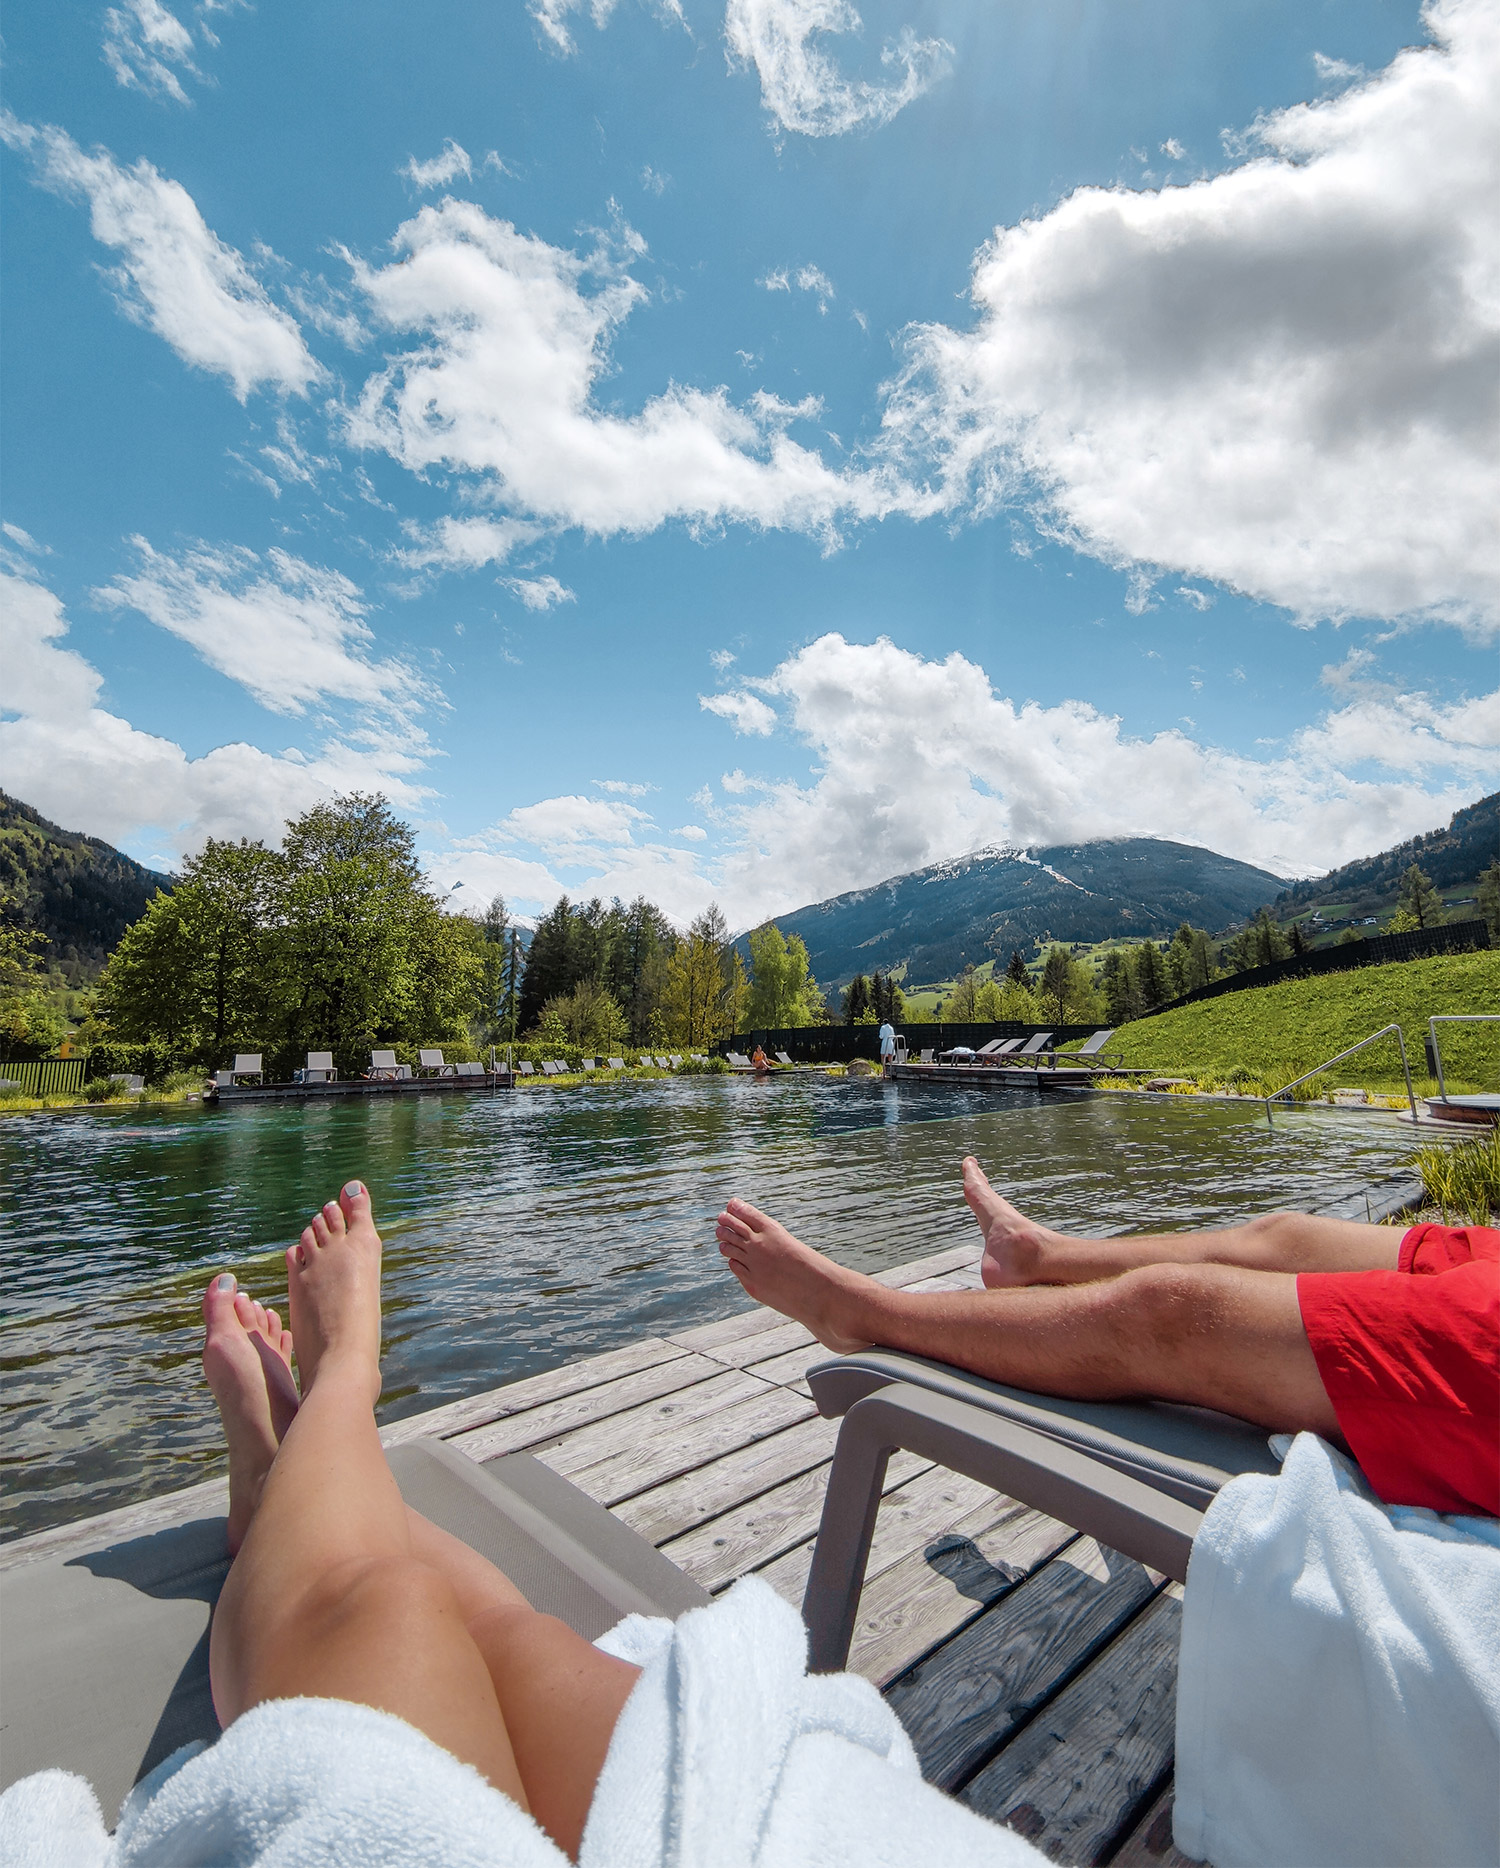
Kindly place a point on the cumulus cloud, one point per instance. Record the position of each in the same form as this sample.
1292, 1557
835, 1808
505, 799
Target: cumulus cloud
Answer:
447, 166
501, 384
916, 760
744, 712
89, 769
801, 87
1283, 378
292, 634
175, 275
539, 593
145, 46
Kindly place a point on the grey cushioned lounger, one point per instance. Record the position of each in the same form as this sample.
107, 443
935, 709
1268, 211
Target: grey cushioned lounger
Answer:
105, 1655
1136, 1475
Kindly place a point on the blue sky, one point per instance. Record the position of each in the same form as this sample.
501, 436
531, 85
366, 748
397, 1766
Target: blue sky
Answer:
746, 450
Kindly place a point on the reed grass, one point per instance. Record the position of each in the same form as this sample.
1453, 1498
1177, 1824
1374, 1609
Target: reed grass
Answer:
1462, 1183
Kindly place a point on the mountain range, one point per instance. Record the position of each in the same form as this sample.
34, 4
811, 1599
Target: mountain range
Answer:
80, 892
972, 908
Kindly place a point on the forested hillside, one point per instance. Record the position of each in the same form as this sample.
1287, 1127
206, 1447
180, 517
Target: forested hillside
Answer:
1451, 857
75, 890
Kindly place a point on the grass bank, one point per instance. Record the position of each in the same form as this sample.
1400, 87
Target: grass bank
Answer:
1261, 1038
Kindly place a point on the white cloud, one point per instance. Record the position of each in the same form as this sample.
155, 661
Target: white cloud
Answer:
622, 787
776, 280
744, 712
539, 593
142, 44
1282, 379
692, 833
440, 169
463, 544
1173, 149
176, 276
807, 278
918, 760
292, 634
552, 17
801, 87
90, 770
501, 386
653, 181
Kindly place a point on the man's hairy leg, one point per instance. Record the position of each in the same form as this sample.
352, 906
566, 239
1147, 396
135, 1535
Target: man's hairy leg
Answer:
1018, 1250
1212, 1335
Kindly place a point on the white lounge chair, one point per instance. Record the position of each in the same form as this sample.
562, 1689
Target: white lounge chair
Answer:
925, 1057
383, 1066
431, 1064
783, 1059
673, 1061
525, 1068
319, 1068
223, 1079
590, 1063
466, 1070
248, 1064
616, 1063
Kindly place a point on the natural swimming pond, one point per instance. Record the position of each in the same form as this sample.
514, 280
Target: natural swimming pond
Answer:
525, 1230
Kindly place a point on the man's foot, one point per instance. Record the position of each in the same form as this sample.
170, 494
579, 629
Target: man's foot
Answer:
247, 1361
333, 1274
791, 1277
1016, 1249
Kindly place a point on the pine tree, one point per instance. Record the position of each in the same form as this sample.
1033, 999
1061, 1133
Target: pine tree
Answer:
1152, 980
1420, 899
1489, 897
856, 999
1016, 972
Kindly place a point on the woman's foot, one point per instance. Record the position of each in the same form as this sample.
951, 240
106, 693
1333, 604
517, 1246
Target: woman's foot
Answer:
247, 1361
791, 1277
333, 1274
1016, 1249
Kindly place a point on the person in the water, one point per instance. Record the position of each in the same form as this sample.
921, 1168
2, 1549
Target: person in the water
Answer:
1387, 1341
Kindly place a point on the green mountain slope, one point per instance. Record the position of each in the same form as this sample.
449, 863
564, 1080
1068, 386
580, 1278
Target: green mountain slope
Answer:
935, 920
79, 891
1452, 857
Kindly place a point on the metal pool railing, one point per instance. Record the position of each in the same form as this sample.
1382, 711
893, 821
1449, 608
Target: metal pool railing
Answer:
1384, 1032
1454, 1018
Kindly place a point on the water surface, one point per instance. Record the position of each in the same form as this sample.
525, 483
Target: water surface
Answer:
526, 1230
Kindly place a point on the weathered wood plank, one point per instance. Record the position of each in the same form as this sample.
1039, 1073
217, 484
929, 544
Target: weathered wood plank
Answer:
707, 1336
932, 1266
790, 1370
764, 1344
1150, 1844
456, 1417
968, 1697
738, 1540
208, 1499
531, 1428
667, 1510
1080, 1771
910, 1516
728, 1427
634, 1428
907, 1610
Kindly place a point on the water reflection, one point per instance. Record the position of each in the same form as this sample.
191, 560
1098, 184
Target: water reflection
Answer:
522, 1232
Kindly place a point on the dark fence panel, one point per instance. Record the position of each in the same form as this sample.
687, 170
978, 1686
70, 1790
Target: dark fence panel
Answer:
1378, 950
45, 1076
838, 1044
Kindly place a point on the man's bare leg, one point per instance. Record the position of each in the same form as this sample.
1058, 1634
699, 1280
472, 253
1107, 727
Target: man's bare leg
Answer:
1019, 1251
1212, 1335
330, 1596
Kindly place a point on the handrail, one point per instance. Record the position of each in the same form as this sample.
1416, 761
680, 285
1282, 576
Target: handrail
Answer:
1454, 1018
1384, 1031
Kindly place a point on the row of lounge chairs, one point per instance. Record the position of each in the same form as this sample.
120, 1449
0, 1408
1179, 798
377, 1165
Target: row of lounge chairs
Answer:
1033, 1050
249, 1067
559, 1067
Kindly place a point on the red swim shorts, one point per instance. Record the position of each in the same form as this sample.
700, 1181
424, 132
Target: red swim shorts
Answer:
1411, 1362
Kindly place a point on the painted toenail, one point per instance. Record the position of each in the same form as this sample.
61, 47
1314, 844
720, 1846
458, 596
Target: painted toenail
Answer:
353, 1189
225, 1282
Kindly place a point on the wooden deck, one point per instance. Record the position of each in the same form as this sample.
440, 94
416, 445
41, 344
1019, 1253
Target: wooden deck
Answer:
1035, 1671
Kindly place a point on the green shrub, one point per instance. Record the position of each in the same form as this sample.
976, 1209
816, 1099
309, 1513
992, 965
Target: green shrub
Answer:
104, 1090
703, 1067
1462, 1182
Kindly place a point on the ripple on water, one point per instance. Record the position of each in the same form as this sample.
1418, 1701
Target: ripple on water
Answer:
526, 1231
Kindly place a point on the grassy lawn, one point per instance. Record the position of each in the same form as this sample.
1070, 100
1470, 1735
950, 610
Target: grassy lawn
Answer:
1264, 1036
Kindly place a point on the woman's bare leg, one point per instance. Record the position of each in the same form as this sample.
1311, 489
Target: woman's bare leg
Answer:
1019, 1251
1212, 1335
557, 1696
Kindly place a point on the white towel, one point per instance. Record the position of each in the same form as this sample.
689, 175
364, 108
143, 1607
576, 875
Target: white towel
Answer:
728, 1754
1338, 1700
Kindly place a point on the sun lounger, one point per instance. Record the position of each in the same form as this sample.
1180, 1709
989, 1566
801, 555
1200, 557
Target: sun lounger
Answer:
549, 1069
525, 1068
738, 1061
319, 1068
1136, 1475
383, 1067
134, 1085
616, 1063
925, 1057
223, 1079
467, 1070
431, 1064
673, 1061
782, 1058
1034, 1046
561, 1066
591, 1063
247, 1064
106, 1653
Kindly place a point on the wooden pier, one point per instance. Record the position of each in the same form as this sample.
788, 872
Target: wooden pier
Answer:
230, 1096
1022, 1079
1035, 1671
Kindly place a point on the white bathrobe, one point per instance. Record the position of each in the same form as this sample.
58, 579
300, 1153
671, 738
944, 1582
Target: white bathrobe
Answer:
728, 1754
